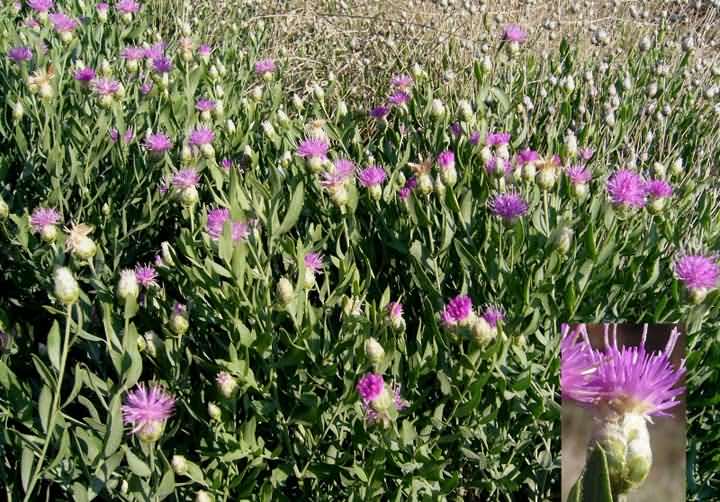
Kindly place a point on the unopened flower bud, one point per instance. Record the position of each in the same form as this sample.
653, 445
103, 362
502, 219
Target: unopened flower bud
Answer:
309, 281
482, 332
203, 496
128, 286
546, 178
84, 248
318, 92
67, 289
424, 184
18, 111
285, 291
226, 383
563, 240
153, 343
179, 322
486, 154
676, 168
230, 126
437, 108
374, 352
179, 465
214, 411
571, 147
48, 233
440, 187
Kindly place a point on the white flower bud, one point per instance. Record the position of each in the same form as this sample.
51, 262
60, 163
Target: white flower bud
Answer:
179, 465
285, 291
482, 332
374, 352
67, 289
437, 108
214, 411
128, 286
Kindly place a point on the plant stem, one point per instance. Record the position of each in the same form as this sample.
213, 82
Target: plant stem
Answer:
54, 408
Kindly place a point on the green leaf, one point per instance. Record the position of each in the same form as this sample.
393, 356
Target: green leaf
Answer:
44, 405
26, 465
137, 465
293, 212
114, 434
596, 479
167, 485
53, 345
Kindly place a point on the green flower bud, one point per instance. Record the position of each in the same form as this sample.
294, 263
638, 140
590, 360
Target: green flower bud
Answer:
84, 248
67, 289
482, 332
179, 323
309, 278
151, 431
179, 465
546, 178
580, 190
374, 352
449, 176
128, 286
383, 402
48, 233
153, 343
166, 253
285, 291
18, 111
214, 412
227, 384
563, 240
189, 196
486, 154
698, 295
257, 93
375, 192
437, 108
425, 184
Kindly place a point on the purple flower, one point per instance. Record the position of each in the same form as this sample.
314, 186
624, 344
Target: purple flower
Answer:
514, 33
372, 176
698, 271
497, 138
84, 75
627, 189
658, 189
577, 366
20, 54
105, 86
474, 137
495, 163
313, 261
42, 217
508, 206
162, 65
526, 156
216, 223
264, 66
370, 386
379, 112
446, 159
62, 23
132, 53
158, 142
155, 51
147, 410
102, 7
399, 98
313, 147
114, 135
407, 189
40, 5
201, 136
586, 153
185, 178
31, 23
129, 135
456, 129
632, 380
204, 105
204, 50
146, 275
493, 314
343, 171
395, 310
227, 164
579, 175
145, 88
401, 82
457, 310
127, 6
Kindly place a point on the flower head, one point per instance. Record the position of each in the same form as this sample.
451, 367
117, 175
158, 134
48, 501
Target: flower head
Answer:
399, 98
379, 112
698, 271
185, 178
216, 223
313, 147
508, 206
658, 189
493, 314
201, 136
372, 176
132, 53
158, 142
162, 64
402, 82
127, 6
458, 310
204, 105
84, 75
370, 386
147, 410
446, 159
146, 275
204, 50
526, 156
586, 153
42, 217
497, 138
155, 51
264, 66
62, 23
578, 174
40, 5
20, 54
514, 33
627, 189
343, 172
577, 366
105, 86
313, 261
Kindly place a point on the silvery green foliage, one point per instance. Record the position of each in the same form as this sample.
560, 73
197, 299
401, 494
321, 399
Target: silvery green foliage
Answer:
482, 422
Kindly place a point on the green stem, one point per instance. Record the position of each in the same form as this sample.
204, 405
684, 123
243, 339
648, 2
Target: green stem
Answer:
477, 356
55, 407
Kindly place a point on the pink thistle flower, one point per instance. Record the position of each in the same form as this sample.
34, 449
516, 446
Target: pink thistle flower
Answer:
157, 142
42, 217
62, 23
456, 129
313, 148
145, 88
457, 310
201, 136
697, 271
627, 189
102, 7
105, 86
155, 51
526, 156
132, 53
127, 6
264, 66
402, 82
372, 176
395, 309
20, 54
493, 314
514, 33
147, 410
379, 112
227, 164
146, 275
370, 387
586, 153
407, 189
40, 5
446, 160
313, 261
658, 189
497, 138
344, 170
474, 137
399, 98
204, 50
162, 64
216, 219
577, 366
84, 75
185, 178
578, 175
204, 105
495, 163
509, 206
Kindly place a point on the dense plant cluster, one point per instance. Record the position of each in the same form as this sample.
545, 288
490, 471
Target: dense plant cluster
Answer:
215, 288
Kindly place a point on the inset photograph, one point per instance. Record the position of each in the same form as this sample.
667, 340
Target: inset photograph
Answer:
623, 413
